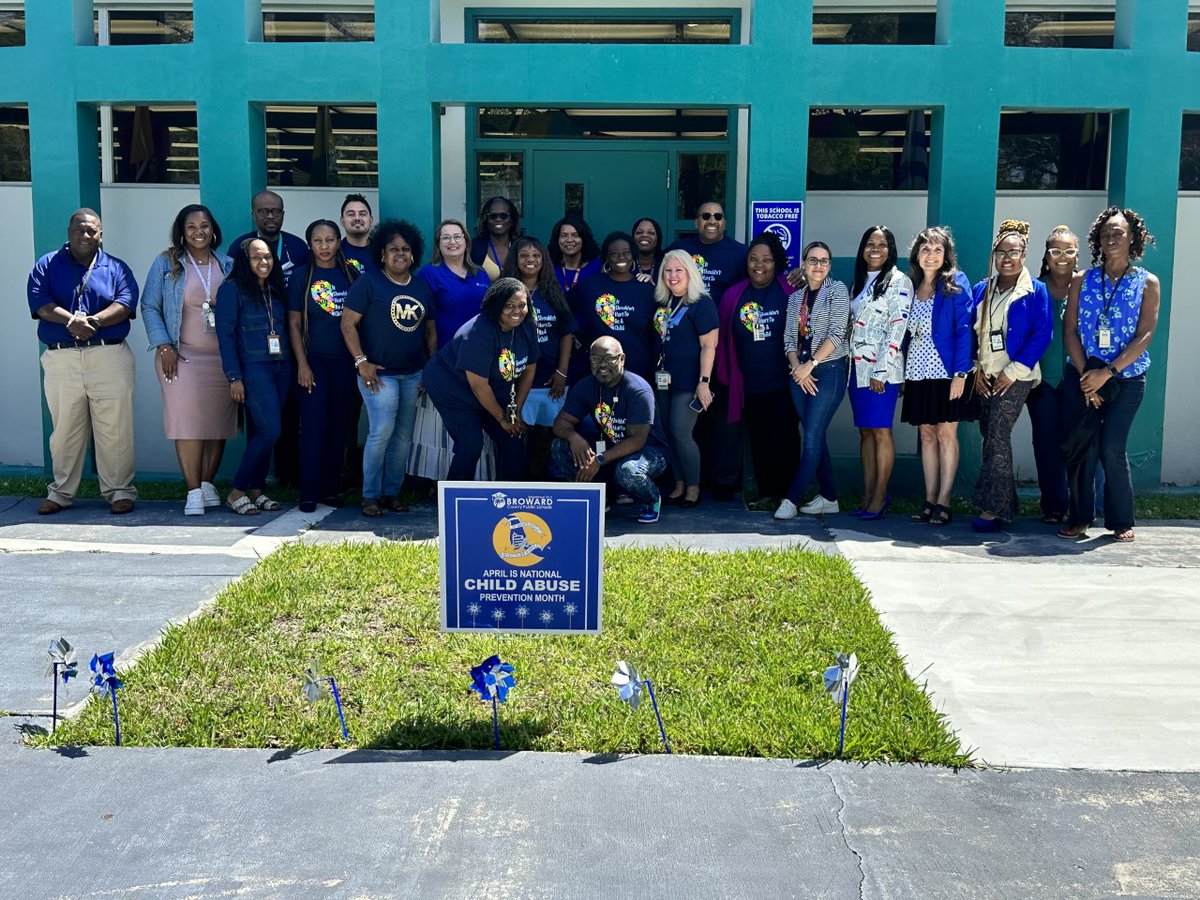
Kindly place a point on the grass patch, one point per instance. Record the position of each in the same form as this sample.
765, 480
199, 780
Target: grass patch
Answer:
736, 645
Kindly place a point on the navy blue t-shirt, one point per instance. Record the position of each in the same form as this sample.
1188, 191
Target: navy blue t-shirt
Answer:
358, 257
605, 412
483, 348
680, 342
291, 251
392, 330
763, 363
325, 296
620, 309
456, 299
722, 264
552, 326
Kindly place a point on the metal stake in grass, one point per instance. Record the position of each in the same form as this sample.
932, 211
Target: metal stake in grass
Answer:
105, 681
629, 688
62, 662
837, 684
492, 679
316, 686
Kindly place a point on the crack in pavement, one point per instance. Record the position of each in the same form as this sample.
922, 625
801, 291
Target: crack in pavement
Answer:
862, 877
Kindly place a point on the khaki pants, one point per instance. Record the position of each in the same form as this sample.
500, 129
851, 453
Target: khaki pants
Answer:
90, 394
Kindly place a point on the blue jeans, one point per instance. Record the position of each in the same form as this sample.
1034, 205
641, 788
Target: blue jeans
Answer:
390, 416
816, 412
324, 418
267, 385
634, 474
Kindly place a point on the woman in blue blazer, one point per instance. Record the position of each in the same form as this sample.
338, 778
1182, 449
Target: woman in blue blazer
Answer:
937, 394
1013, 326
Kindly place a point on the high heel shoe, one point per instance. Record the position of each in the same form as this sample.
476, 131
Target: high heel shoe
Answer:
876, 516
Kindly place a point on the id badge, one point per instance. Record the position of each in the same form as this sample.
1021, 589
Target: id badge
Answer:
662, 380
1104, 338
997, 341
760, 331
210, 319
601, 446
274, 345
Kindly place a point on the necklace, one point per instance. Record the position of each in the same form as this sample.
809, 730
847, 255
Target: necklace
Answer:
393, 280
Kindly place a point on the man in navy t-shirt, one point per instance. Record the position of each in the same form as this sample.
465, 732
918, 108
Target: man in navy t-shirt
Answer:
290, 250
357, 220
721, 259
609, 428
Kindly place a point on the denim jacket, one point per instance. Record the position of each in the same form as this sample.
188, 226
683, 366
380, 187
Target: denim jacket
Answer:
162, 300
243, 326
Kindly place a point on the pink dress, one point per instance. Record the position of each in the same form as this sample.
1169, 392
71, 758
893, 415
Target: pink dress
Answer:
197, 405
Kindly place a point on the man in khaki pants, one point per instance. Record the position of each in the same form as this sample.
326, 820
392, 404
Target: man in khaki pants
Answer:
84, 300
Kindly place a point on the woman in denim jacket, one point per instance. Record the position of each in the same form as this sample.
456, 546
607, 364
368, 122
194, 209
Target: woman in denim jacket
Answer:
178, 312
879, 306
252, 331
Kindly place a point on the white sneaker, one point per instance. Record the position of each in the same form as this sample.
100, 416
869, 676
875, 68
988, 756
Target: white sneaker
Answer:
211, 497
787, 509
818, 505
195, 503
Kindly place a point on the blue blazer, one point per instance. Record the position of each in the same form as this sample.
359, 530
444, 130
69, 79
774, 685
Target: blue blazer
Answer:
1030, 323
953, 315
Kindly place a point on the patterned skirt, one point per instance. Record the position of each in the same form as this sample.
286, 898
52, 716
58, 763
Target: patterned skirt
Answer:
433, 448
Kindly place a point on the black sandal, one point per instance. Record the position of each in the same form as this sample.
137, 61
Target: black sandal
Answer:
942, 515
925, 513
371, 509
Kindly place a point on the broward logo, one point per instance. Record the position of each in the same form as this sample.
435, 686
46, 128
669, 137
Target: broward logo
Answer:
498, 499
606, 309
750, 315
521, 538
407, 312
324, 295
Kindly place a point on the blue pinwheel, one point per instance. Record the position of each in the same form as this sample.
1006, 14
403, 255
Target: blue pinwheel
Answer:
837, 684
62, 665
493, 679
629, 689
318, 686
105, 681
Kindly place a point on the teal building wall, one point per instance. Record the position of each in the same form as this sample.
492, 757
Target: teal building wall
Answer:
1148, 80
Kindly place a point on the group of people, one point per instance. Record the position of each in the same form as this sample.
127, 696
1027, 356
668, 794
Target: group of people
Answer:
627, 360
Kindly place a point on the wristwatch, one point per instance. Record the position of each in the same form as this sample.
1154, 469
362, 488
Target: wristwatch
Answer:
960, 374
705, 379
1112, 370
599, 459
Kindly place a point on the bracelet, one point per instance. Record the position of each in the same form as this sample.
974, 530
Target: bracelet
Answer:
70, 320
358, 360
166, 347
560, 373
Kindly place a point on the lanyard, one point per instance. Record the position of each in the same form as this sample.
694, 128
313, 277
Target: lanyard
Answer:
1109, 298
495, 255
83, 283
205, 277
810, 300
562, 276
267, 297
994, 298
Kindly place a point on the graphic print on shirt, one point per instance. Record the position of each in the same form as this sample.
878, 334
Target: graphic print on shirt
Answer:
507, 364
603, 415
356, 265
407, 312
607, 310
326, 296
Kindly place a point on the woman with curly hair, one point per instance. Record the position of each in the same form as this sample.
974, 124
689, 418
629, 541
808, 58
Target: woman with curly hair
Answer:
936, 392
1012, 329
1111, 315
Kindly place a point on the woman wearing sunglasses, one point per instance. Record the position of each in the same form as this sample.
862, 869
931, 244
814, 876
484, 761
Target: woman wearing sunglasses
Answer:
1012, 330
499, 225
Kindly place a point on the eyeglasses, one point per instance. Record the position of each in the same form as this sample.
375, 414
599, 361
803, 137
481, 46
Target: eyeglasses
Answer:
269, 211
706, 216
1008, 254
452, 239
817, 261
499, 217
1059, 253
607, 357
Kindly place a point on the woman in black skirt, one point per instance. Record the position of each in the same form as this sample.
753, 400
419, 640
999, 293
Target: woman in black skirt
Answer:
937, 395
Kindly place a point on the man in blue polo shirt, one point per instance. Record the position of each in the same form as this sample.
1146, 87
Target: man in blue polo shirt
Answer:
290, 250
84, 300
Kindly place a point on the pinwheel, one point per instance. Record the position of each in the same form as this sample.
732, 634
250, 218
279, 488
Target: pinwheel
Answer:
317, 686
837, 684
629, 688
105, 681
493, 679
62, 664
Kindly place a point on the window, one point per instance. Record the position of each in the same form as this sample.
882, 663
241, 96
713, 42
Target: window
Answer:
1052, 151
517, 29
12, 29
500, 175
702, 177
1189, 154
874, 28
322, 146
604, 124
14, 143
122, 27
1193, 31
318, 27
868, 149
149, 145
1081, 29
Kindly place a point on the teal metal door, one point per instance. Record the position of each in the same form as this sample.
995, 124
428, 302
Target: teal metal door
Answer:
609, 188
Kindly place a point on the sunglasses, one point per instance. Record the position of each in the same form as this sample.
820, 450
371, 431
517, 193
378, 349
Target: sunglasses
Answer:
706, 216
499, 217
1059, 253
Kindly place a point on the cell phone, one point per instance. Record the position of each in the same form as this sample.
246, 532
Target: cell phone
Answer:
696, 405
